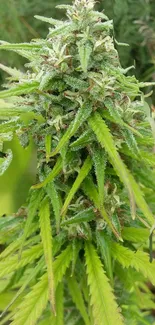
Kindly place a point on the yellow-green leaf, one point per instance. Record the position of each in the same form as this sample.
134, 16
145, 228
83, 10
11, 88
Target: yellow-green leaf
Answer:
50, 177
81, 176
104, 306
106, 140
46, 235
78, 298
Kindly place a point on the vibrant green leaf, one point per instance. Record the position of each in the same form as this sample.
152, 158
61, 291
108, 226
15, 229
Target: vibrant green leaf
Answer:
83, 216
35, 301
46, 235
34, 273
138, 260
60, 30
78, 298
50, 177
105, 309
136, 235
34, 203
99, 160
86, 138
85, 51
81, 116
91, 191
12, 263
23, 89
53, 195
6, 161
75, 83
81, 176
22, 46
59, 318
16, 74
105, 138
49, 20
48, 146
104, 247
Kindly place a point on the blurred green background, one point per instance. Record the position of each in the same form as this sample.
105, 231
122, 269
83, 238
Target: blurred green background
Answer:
134, 23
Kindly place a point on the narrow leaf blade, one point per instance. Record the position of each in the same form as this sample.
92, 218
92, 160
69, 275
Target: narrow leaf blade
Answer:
81, 176
46, 235
81, 116
105, 139
105, 309
78, 298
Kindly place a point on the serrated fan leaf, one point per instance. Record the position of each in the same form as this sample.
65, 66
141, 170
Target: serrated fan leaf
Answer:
50, 21
145, 176
8, 112
15, 245
136, 235
6, 161
78, 298
12, 263
84, 139
104, 306
122, 254
36, 300
85, 50
9, 126
59, 318
138, 260
36, 197
33, 305
148, 157
64, 29
141, 262
66, 7
16, 74
53, 195
20, 46
26, 53
61, 264
81, 176
104, 247
31, 276
45, 321
25, 88
99, 160
83, 216
46, 235
100, 15
76, 246
5, 137
50, 177
113, 111
76, 83
130, 141
108, 116
48, 140
81, 116
90, 190
105, 139
103, 26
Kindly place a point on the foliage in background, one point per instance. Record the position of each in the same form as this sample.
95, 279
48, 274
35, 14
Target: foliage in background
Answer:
134, 23
76, 251
17, 23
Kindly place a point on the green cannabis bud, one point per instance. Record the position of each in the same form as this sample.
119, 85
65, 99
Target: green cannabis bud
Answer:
91, 207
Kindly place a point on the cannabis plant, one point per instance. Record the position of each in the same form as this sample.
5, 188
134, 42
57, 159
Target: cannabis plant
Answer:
77, 250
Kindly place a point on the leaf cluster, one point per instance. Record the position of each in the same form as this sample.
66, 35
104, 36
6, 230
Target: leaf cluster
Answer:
76, 252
